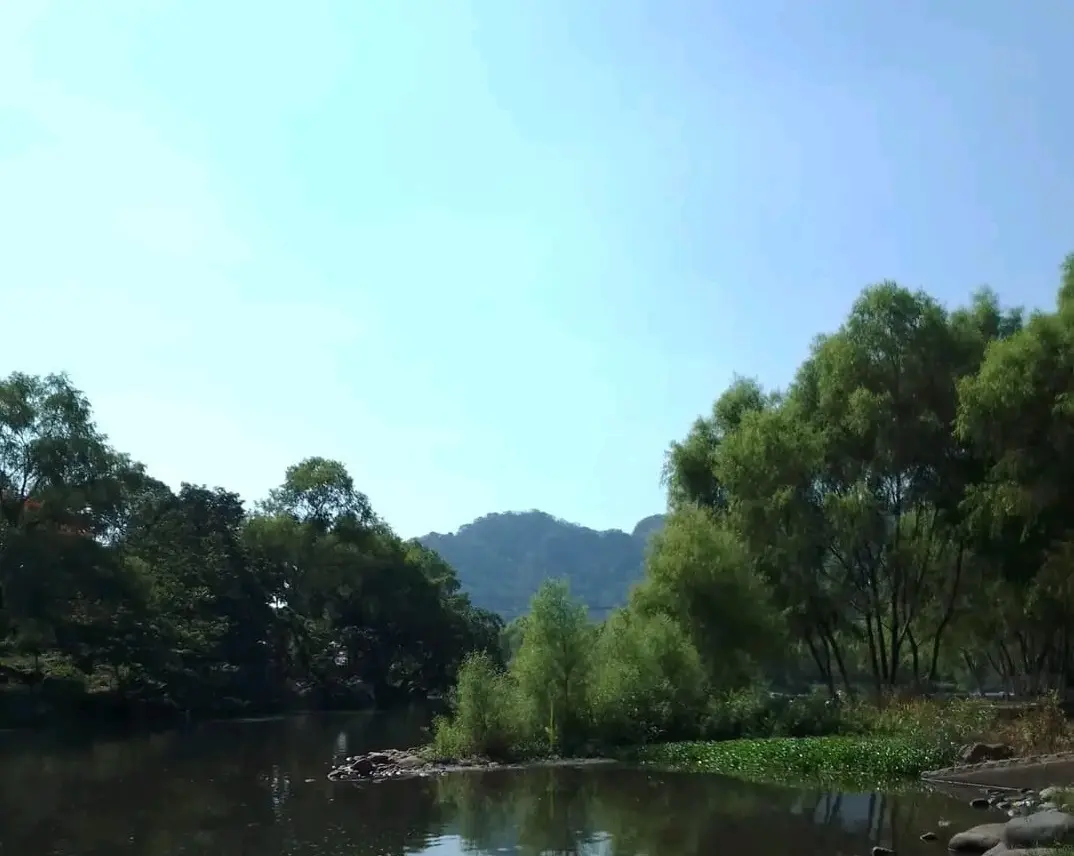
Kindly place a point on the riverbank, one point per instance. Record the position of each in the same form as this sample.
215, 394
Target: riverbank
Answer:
871, 762
809, 740
1032, 822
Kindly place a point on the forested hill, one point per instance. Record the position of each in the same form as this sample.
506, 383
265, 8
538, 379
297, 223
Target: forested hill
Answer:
502, 559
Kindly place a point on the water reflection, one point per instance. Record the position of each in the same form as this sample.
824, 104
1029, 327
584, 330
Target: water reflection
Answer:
259, 788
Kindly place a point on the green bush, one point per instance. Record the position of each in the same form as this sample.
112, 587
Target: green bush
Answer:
483, 719
575, 688
552, 670
572, 687
758, 713
648, 681
952, 721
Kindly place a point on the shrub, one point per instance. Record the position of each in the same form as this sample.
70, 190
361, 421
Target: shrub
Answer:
482, 720
648, 681
940, 722
758, 713
1042, 728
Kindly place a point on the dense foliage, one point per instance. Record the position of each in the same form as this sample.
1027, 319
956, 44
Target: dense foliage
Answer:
899, 519
502, 559
117, 593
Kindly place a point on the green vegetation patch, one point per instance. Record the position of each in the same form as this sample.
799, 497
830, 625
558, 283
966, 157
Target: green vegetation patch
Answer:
866, 761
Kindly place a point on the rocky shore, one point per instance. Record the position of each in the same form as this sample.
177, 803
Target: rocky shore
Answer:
396, 764
1038, 822
386, 764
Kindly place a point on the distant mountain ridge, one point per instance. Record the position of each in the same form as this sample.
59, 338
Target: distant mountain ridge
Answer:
502, 559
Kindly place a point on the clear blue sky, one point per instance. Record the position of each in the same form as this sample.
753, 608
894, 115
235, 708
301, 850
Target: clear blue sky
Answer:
496, 254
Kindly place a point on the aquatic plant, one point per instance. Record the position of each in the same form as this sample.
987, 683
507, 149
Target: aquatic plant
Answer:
843, 760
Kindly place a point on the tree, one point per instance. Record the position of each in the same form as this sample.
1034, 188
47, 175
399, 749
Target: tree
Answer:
1018, 410
553, 665
184, 600
848, 492
59, 488
698, 573
321, 492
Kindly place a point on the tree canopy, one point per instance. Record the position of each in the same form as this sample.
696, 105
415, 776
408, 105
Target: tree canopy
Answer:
905, 505
111, 581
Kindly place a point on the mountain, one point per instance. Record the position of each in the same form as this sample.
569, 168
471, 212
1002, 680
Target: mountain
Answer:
502, 559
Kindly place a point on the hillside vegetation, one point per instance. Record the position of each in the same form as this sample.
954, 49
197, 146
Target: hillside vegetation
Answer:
502, 559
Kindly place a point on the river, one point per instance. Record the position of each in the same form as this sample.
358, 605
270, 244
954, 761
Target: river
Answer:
258, 788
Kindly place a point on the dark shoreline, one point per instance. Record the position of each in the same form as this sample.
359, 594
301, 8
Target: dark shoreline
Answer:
105, 713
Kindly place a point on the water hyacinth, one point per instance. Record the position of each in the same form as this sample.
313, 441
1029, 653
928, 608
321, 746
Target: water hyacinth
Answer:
869, 761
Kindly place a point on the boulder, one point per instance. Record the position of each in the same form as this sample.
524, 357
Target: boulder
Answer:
977, 753
386, 764
979, 839
1042, 828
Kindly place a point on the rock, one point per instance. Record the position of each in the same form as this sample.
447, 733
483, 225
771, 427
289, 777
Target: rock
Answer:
376, 766
979, 839
883, 851
976, 753
980, 802
927, 836
1049, 793
1044, 827
409, 763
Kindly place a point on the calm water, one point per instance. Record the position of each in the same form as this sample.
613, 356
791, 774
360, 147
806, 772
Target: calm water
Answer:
259, 788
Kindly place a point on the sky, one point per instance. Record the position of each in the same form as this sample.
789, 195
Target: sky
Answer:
497, 254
